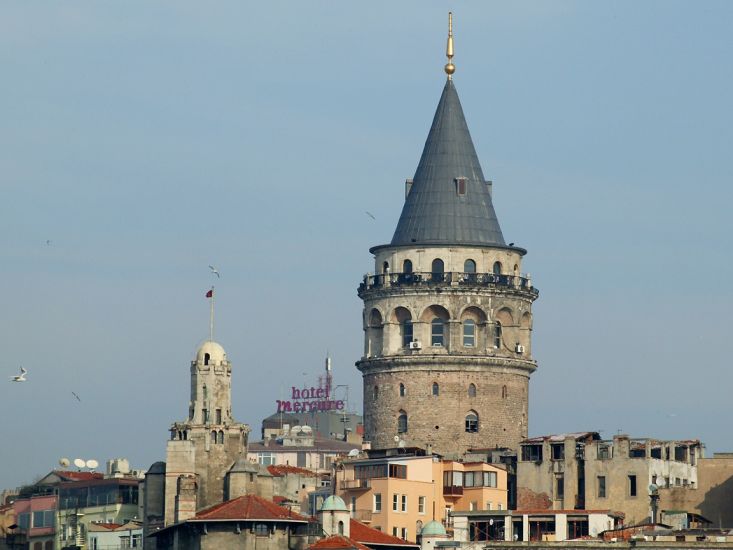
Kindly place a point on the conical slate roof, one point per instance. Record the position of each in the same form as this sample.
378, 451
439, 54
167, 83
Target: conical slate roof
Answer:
434, 211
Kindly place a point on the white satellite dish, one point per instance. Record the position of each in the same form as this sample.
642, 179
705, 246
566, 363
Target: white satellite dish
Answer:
91, 464
396, 438
79, 463
354, 452
64, 462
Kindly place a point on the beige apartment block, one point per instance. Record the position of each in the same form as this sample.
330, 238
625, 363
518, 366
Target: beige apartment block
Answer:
400, 494
581, 471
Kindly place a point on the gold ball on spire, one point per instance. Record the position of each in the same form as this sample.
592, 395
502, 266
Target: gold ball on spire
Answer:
450, 68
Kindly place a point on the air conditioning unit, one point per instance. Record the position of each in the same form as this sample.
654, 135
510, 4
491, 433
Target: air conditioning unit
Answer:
519, 348
415, 344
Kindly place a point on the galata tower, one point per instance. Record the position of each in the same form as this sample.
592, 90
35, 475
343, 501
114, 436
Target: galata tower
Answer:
447, 313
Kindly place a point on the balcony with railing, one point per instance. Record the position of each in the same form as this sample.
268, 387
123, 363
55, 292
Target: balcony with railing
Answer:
450, 278
355, 484
452, 490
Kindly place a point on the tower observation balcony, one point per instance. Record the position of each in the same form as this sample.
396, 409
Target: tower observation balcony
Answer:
452, 279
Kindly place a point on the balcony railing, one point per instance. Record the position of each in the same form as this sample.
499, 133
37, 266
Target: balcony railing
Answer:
355, 484
451, 490
365, 516
450, 278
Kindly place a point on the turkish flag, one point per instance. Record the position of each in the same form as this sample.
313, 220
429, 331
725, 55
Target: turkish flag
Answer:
210, 293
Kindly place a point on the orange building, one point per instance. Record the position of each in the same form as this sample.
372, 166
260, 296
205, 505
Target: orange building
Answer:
398, 494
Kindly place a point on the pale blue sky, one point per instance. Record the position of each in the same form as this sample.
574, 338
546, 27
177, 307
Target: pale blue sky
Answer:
147, 140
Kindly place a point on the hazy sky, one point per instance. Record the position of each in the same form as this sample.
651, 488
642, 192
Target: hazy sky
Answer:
147, 140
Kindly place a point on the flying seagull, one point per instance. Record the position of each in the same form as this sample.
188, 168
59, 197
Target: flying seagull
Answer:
48, 242
214, 271
19, 377
77, 397
369, 214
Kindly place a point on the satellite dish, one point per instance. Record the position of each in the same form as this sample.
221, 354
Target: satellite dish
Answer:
64, 462
653, 489
354, 452
491, 522
91, 464
396, 438
79, 463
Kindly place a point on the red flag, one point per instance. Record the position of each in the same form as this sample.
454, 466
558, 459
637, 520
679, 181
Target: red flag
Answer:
210, 293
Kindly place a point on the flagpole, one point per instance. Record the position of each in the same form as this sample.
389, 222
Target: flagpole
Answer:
211, 317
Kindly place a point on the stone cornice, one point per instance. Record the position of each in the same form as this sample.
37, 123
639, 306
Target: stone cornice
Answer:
447, 363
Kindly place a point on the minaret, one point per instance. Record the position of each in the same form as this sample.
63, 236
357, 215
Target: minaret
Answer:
447, 314
204, 447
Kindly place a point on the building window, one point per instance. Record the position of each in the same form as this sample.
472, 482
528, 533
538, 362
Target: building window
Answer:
407, 332
375, 392
601, 486
404, 503
407, 266
404, 533
266, 459
558, 451
395, 532
420, 505
560, 488
353, 503
205, 415
469, 333
395, 502
213, 437
461, 186
402, 422
385, 267
504, 392
469, 266
218, 416
341, 527
261, 530
532, 453
418, 527
402, 390
632, 486
207, 357
497, 268
497, 334
472, 422
437, 327
488, 505
377, 502
436, 389
220, 437
472, 390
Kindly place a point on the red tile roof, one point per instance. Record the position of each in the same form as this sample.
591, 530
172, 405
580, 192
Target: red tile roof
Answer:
368, 535
338, 542
279, 471
248, 507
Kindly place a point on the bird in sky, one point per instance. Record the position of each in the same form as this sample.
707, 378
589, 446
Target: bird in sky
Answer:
214, 271
48, 242
77, 397
369, 214
19, 377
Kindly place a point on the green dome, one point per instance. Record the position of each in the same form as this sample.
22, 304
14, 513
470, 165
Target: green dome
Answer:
433, 529
334, 504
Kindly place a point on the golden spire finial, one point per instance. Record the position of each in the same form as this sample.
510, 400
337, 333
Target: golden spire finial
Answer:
450, 68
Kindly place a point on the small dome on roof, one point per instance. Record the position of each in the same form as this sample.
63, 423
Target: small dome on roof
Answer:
157, 468
242, 465
334, 504
433, 529
215, 351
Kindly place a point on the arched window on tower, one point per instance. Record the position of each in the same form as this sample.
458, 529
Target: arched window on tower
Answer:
407, 332
469, 266
437, 329
497, 268
403, 392
375, 392
436, 389
220, 437
437, 269
341, 527
407, 266
206, 358
469, 333
213, 437
504, 392
385, 267
472, 422
472, 390
402, 422
497, 334
204, 392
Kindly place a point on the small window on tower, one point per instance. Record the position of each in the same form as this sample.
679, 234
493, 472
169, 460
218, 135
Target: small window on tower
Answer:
461, 184
218, 416
206, 358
